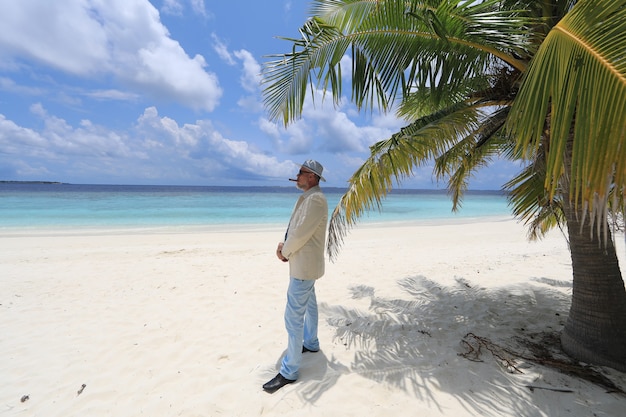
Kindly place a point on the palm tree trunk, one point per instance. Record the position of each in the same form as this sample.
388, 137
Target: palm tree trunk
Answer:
595, 331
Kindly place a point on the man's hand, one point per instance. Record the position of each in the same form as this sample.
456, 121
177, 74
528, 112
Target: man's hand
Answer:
279, 253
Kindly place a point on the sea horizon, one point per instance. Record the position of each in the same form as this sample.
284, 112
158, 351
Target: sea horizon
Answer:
38, 205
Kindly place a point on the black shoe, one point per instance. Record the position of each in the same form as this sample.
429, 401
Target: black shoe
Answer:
277, 383
305, 349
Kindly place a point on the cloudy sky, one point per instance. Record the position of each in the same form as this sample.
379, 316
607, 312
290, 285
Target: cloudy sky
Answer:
166, 92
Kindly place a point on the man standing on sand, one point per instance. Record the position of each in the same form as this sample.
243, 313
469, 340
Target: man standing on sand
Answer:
303, 248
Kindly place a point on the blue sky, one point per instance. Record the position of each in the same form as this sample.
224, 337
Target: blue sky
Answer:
167, 92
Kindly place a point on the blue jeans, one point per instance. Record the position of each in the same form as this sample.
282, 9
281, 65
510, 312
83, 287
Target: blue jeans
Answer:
301, 324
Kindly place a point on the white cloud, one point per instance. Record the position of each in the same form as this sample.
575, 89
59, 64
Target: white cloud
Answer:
38, 110
65, 35
62, 152
172, 7
176, 7
89, 140
161, 69
269, 128
28, 171
301, 138
251, 74
123, 38
251, 103
222, 50
333, 129
13, 137
8, 84
198, 7
156, 148
112, 95
205, 146
166, 131
250, 80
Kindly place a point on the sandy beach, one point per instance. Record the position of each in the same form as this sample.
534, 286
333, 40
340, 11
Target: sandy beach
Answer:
415, 319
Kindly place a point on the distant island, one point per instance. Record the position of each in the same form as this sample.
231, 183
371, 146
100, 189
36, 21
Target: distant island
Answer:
30, 182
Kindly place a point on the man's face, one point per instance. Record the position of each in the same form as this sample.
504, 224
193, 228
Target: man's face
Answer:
305, 179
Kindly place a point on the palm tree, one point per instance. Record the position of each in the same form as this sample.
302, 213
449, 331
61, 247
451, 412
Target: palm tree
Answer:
573, 102
478, 80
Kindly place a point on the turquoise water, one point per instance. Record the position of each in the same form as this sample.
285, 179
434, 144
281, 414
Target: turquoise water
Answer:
71, 205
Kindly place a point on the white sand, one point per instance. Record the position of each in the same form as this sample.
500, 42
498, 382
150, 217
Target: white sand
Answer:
189, 323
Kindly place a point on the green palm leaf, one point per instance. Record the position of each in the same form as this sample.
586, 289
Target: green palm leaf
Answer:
396, 47
395, 158
578, 76
475, 151
529, 201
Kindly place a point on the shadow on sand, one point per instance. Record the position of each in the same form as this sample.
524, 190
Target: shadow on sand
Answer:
415, 344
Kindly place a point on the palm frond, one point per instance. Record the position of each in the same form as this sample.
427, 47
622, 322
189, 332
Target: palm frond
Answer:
530, 203
475, 151
395, 159
287, 78
395, 46
578, 76
420, 102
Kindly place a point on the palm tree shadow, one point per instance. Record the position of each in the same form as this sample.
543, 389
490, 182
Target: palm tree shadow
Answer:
415, 344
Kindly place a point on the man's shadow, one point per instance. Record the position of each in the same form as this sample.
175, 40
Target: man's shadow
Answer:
317, 374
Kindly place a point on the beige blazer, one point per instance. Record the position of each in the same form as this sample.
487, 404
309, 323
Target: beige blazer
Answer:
306, 235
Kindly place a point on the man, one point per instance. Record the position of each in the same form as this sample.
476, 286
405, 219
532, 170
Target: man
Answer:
303, 248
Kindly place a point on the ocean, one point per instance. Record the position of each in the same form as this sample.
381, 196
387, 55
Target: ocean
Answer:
57, 205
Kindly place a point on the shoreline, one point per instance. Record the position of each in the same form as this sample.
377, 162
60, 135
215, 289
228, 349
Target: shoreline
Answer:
79, 230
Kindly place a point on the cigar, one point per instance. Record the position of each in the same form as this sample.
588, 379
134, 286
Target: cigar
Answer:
291, 179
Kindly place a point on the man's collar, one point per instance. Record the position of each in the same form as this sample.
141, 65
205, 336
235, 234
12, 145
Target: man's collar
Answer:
311, 190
